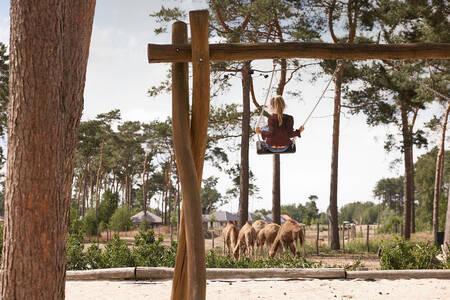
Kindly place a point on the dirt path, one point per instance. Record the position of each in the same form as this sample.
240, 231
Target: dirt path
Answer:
310, 289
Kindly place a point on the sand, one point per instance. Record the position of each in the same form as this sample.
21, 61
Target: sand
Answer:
310, 289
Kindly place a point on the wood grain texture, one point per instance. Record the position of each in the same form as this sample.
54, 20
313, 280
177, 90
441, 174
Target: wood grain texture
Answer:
240, 52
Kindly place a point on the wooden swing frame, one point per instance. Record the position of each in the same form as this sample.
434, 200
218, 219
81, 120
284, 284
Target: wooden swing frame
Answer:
189, 135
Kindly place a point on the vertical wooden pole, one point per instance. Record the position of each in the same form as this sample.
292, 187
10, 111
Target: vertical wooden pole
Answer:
317, 239
367, 239
189, 281
343, 238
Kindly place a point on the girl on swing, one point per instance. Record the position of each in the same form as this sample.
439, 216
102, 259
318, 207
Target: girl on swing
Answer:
277, 135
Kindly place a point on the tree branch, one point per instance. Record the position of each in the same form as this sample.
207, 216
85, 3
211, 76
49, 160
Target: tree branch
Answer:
330, 21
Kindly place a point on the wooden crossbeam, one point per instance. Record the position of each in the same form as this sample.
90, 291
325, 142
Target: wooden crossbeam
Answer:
241, 52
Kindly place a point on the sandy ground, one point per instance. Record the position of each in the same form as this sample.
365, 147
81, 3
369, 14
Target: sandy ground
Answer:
310, 289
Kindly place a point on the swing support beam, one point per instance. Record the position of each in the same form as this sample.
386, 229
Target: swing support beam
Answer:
241, 52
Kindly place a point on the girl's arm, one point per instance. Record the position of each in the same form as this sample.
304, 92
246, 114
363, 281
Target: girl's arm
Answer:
271, 124
290, 128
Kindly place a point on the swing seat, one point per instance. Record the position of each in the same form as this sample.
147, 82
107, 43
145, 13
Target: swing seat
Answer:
261, 148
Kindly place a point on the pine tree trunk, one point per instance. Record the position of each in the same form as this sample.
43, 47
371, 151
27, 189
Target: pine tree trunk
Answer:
438, 176
97, 185
144, 185
334, 226
409, 176
46, 99
244, 171
447, 222
276, 209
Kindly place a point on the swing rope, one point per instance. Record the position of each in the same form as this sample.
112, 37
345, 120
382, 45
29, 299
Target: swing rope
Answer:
338, 68
267, 96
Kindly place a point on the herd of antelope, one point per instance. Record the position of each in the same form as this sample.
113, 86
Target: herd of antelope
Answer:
260, 233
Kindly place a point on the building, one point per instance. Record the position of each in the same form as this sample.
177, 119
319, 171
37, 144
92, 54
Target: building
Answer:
152, 219
218, 219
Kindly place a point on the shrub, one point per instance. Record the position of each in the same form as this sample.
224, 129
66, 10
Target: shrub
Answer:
117, 254
94, 257
149, 251
121, 219
215, 260
392, 221
75, 257
402, 254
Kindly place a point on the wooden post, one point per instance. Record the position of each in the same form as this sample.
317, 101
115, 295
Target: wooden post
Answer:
317, 239
212, 238
189, 281
328, 234
367, 239
343, 238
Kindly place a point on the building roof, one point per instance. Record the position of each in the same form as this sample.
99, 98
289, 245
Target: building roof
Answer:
151, 218
220, 216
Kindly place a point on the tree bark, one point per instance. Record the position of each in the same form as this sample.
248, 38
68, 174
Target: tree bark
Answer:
144, 185
447, 222
49, 50
438, 176
334, 226
97, 185
244, 171
409, 176
276, 209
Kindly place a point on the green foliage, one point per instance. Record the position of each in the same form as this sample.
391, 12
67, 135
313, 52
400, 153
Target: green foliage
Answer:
149, 251
307, 214
359, 246
74, 251
424, 178
94, 257
390, 192
89, 223
76, 225
401, 254
121, 219
215, 260
359, 213
117, 254
210, 197
391, 225
107, 206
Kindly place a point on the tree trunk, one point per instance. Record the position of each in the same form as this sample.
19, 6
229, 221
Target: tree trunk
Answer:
334, 226
438, 176
276, 211
144, 185
447, 222
97, 185
46, 99
409, 176
244, 171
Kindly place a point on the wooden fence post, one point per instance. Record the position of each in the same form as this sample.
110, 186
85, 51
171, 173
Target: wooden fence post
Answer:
367, 238
343, 238
317, 239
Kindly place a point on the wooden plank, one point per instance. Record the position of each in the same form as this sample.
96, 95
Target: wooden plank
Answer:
399, 274
101, 274
240, 52
211, 273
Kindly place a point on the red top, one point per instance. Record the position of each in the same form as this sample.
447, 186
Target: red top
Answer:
280, 136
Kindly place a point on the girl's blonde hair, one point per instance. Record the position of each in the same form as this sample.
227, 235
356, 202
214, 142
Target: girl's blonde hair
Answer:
278, 104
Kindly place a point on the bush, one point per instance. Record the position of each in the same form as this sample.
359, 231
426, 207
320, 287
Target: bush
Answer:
94, 257
121, 219
117, 254
215, 260
359, 246
75, 257
149, 252
402, 254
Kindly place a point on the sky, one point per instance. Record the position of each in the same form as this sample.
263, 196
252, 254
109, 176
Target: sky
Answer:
119, 75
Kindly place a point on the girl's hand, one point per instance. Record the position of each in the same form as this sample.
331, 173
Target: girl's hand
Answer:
301, 129
258, 130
